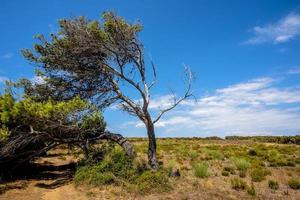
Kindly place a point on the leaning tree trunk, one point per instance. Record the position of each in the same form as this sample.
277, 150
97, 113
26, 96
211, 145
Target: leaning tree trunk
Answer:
152, 160
120, 140
21, 149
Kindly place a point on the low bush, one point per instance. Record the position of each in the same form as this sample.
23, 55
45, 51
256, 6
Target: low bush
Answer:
201, 170
294, 184
252, 152
259, 174
229, 169
151, 181
238, 184
273, 185
251, 190
117, 168
242, 165
214, 154
225, 173
193, 155
90, 176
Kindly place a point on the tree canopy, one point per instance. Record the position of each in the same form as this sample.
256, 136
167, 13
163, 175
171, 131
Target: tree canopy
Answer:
29, 128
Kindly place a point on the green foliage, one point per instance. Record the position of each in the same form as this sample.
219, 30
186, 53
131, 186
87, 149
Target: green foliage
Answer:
153, 181
28, 112
225, 173
91, 176
252, 152
242, 165
201, 170
258, 174
294, 184
214, 154
4, 133
273, 185
118, 168
229, 169
193, 155
272, 139
238, 184
251, 190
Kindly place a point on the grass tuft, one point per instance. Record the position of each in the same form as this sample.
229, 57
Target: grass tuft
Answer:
238, 184
294, 184
201, 170
273, 185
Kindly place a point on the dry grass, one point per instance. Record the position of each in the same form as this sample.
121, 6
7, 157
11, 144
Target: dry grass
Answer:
280, 160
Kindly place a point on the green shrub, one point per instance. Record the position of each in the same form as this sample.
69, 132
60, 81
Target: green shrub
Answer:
258, 174
193, 155
252, 152
251, 190
225, 173
238, 184
151, 181
214, 154
273, 185
201, 170
242, 165
90, 176
294, 184
117, 167
229, 169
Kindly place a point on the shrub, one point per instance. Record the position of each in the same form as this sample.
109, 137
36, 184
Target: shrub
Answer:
229, 169
153, 181
273, 185
193, 155
225, 173
201, 170
238, 184
242, 165
90, 176
251, 190
258, 174
294, 184
117, 167
252, 152
215, 154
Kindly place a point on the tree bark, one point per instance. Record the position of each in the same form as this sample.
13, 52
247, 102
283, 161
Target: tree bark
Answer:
123, 142
152, 160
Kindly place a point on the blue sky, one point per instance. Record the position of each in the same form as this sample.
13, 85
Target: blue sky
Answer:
245, 54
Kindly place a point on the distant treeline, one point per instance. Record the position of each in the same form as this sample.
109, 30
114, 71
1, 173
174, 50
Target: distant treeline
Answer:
272, 139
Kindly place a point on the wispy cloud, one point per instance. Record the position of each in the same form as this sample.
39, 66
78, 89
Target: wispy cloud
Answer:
7, 55
282, 31
257, 106
294, 70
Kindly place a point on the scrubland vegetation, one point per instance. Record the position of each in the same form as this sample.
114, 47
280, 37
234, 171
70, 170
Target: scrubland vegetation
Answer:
57, 125
208, 169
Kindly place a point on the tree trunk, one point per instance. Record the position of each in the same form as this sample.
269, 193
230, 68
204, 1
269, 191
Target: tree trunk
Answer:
123, 142
152, 160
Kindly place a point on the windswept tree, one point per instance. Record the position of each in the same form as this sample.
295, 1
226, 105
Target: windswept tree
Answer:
97, 60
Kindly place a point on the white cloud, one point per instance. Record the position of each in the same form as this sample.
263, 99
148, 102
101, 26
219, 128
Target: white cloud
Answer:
258, 106
7, 56
284, 30
294, 70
